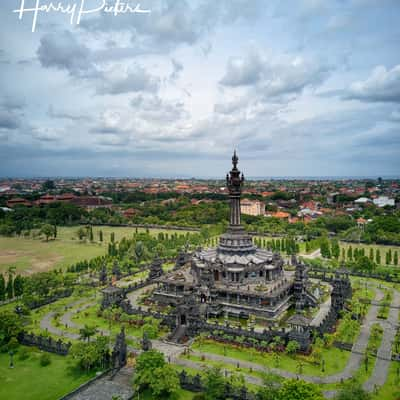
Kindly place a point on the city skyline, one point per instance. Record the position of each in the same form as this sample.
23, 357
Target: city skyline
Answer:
304, 90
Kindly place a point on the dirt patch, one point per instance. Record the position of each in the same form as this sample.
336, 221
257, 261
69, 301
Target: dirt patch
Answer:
35, 264
12, 256
45, 265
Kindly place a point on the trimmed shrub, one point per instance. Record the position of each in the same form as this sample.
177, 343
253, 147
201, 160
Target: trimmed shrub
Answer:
45, 360
23, 354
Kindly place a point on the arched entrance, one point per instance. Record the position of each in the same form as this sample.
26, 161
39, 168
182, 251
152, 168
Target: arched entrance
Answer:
216, 275
183, 319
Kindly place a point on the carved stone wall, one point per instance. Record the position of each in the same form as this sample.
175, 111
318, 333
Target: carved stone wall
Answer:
44, 343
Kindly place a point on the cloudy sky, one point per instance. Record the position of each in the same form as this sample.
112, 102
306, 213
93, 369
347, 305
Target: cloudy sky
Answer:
300, 88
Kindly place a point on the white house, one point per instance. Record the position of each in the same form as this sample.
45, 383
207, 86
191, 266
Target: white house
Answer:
383, 201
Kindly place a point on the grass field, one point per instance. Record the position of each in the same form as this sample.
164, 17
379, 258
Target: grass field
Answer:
181, 395
335, 359
391, 389
30, 381
69, 233
382, 249
35, 255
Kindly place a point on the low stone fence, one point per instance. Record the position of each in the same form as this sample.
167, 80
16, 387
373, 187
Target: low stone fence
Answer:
343, 345
320, 273
267, 234
44, 343
248, 337
136, 286
47, 300
167, 319
8, 301
150, 226
328, 323
79, 389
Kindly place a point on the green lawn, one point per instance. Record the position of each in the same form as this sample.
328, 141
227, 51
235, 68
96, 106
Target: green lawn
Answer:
36, 255
29, 381
182, 395
89, 316
229, 367
69, 233
335, 359
33, 321
383, 249
391, 389
30, 255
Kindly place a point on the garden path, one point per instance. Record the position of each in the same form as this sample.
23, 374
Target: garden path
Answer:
384, 354
352, 365
108, 386
173, 351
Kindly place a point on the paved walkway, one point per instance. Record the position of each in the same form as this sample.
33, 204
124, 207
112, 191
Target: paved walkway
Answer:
108, 386
196, 365
314, 254
46, 324
353, 364
382, 363
384, 354
323, 311
173, 351
133, 297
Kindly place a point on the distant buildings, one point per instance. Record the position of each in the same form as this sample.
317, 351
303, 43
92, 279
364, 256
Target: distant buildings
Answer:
362, 201
252, 207
129, 213
87, 202
292, 200
361, 222
92, 202
280, 215
17, 201
383, 201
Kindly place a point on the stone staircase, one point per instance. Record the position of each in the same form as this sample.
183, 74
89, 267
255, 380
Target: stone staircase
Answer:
178, 334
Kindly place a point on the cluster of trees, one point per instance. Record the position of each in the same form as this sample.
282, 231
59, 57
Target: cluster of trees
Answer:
353, 254
11, 288
347, 329
155, 376
143, 247
22, 220
34, 287
286, 244
151, 209
181, 212
91, 354
10, 327
312, 245
329, 248
87, 233
149, 326
335, 223
359, 258
383, 229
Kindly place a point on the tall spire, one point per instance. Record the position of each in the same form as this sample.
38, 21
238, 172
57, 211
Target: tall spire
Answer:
234, 183
235, 159
235, 240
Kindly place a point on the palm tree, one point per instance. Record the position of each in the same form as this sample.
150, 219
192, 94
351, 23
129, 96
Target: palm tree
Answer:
87, 332
11, 270
10, 285
139, 252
